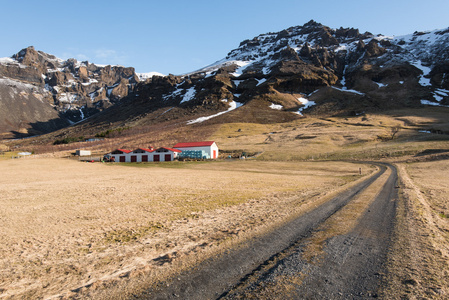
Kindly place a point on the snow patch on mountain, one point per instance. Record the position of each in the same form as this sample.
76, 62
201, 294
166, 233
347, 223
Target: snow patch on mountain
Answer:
426, 71
348, 91
380, 85
427, 102
306, 102
276, 106
260, 81
241, 67
189, 95
17, 84
7, 60
233, 105
145, 76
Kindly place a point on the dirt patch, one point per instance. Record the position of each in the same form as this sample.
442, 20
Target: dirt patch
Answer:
344, 220
342, 258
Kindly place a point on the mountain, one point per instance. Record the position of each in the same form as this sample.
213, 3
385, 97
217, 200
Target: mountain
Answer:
42, 93
274, 77
341, 69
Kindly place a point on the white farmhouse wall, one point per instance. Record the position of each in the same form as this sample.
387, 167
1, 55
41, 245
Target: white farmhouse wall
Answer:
83, 152
139, 156
208, 149
129, 157
117, 157
163, 154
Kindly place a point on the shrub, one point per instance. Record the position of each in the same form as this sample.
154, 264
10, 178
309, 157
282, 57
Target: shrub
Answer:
111, 132
69, 140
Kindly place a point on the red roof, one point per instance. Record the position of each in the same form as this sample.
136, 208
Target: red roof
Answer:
171, 149
193, 144
123, 150
147, 150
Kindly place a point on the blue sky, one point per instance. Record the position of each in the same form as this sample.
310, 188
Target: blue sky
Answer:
181, 36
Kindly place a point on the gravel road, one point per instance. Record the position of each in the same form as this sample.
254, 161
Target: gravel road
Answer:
275, 266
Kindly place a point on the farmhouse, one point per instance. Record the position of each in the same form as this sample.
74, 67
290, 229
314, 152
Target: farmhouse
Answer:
144, 154
207, 149
201, 150
120, 155
141, 155
165, 154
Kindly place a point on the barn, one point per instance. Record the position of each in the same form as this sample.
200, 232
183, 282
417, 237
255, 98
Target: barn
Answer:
121, 155
209, 148
165, 154
145, 154
142, 155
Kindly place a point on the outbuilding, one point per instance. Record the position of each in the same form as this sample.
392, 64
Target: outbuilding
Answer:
165, 154
142, 155
209, 148
80, 152
121, 155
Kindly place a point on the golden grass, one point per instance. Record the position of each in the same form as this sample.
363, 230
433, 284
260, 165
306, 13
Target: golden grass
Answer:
68, 225
418, 263
368, 136
8, 155
431, 185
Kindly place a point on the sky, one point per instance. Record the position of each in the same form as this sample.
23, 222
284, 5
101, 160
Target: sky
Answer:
177, 37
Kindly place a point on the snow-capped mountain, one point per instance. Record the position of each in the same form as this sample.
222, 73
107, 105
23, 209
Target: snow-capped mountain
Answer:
347, 60
261, 52
317, 70
145, 76
274, 77
68, 90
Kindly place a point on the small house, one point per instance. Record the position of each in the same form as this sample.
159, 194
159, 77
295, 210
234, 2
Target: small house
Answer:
209, 149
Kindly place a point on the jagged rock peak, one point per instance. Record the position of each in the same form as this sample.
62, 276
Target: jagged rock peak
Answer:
75, 89
25, 53
29, 56
312, 23
312, 34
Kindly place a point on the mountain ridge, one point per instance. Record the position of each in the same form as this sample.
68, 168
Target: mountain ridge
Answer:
335, 71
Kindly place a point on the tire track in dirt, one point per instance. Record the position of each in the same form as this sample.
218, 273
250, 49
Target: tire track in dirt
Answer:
235, 272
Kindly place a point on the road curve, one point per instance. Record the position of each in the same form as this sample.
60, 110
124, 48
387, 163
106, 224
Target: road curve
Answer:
351, 267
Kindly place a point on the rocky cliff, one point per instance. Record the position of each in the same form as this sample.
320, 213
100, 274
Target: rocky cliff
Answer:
274, 77
41, 93
316, 70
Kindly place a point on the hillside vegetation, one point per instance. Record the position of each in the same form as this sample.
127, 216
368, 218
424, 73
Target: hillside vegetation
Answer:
408, 133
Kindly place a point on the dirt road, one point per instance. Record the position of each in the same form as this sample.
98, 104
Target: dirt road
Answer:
335, 251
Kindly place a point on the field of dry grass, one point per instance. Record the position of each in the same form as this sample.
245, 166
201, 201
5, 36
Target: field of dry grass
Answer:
420, 258
70, 229
368, 136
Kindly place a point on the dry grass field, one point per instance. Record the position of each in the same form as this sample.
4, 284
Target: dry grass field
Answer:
419, 264
72, 229
368, 136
